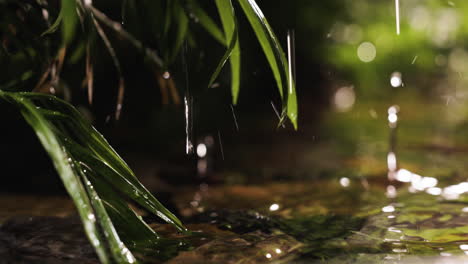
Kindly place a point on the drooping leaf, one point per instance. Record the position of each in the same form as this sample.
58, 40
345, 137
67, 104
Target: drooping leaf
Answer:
70, 178
92, 140
69, 20
115, 60
95, 177
227, 54
275, 56
206, 22
54, 26
182, 28
228, 19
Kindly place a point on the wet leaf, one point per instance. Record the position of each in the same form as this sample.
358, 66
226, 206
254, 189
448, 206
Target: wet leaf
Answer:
182, 28
227, 11
275, 56
69, 20
54, 26
228, 19
95, 177
206, 22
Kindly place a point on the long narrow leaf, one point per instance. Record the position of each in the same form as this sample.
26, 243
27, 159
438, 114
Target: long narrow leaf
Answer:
275, 56
120, 252
96, 178
182, 28
206, 22
227, 54
69, 19
94, 141
61, 162
228, 19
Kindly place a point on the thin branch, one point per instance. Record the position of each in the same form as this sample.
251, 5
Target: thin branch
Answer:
117, 27
117, 66
89, 74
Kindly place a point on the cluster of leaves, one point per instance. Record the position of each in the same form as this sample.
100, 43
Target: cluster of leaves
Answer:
171, 30
97, 179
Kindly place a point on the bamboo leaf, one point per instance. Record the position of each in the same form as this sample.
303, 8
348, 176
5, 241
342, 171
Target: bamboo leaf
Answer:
275, 56
69, 20
182, 28
91, 139
228, 19
207, 23
95, 177
119, 250
228, 53
54, 26
61, 162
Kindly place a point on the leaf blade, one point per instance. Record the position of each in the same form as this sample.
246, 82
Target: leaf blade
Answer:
69, 20
207, 22
228, 20
275, 56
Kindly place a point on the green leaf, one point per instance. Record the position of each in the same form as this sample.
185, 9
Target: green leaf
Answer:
275, 56
87, 136
182, 28
228, 19
227, 54
69, 20
54, 26
60, 158
206, 22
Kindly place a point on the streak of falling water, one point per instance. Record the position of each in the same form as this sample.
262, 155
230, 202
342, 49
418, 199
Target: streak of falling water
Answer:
235, 118
123, 14
188, 103
397, 15
188, 125
291, 59
220, 145
277, 113
391, 157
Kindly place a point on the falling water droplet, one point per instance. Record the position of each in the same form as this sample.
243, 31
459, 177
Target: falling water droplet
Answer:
397, 16
291, 59
392, 157
187, 104
235, 118
220, 145
123, 13
188, 121
45, 14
